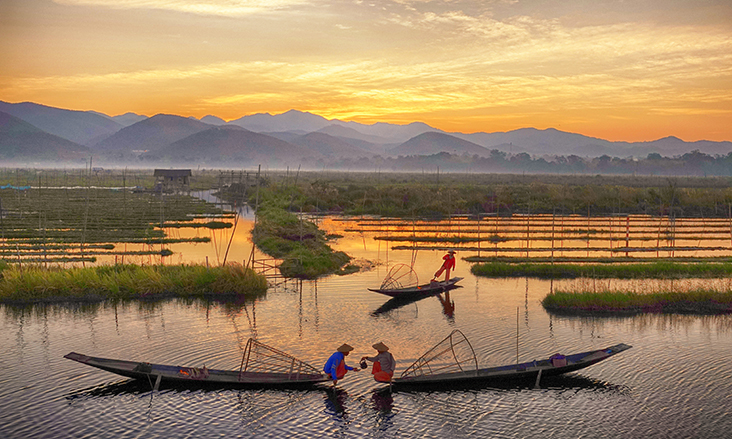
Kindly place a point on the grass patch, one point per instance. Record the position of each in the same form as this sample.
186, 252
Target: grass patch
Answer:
120, 282
190, 225
653, 270
697, 301
299, 243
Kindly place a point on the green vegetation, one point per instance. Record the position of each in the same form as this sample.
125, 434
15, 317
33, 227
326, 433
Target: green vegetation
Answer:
435, 195
698, 301
653, 270
121, 282
299, 243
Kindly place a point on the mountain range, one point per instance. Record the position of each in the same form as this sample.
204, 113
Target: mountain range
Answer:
34, 133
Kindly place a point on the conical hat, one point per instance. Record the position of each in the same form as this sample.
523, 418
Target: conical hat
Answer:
381, 347
345, 348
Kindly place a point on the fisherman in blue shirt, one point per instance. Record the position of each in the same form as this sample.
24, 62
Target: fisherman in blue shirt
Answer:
336, 367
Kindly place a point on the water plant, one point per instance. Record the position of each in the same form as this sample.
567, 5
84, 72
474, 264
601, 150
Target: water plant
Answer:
119, 282
698, 300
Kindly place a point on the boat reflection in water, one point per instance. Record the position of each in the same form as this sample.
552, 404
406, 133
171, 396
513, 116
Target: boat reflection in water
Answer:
448, 305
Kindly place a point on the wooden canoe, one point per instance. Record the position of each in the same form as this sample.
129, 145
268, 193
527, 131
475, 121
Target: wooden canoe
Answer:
532, 370
284, 371
428, 289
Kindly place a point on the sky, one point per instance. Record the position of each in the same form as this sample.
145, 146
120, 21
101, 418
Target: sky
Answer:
621, 70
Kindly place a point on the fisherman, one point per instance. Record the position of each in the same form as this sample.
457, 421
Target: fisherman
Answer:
448, 265
384, 363
336, 367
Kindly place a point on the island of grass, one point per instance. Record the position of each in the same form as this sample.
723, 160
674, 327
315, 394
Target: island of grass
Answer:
36, 284
299, 243
652, 270
699, 301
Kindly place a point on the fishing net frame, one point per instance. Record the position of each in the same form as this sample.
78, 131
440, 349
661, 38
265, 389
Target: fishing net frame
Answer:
260, 358
447, 356
400, 276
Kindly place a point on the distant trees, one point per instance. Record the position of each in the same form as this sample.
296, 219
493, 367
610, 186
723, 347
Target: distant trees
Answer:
693, 163
432, 195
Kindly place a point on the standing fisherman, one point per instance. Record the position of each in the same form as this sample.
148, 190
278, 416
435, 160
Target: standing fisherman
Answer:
448, 265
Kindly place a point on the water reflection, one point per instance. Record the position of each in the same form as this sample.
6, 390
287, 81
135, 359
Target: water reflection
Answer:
567, 383
398, 302
335, 402
126, 387
89, 310
448, 305
382, 403
721, 323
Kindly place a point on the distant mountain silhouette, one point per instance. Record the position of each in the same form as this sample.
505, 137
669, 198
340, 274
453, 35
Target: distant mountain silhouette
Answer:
128, 119
393, 132
124, 137
290, 121
294, 120
23, 142
213, 120
77, 126
124, 120
287, 136
549, 141
150, 134
330, 146
232, 144
345, 132
434, 143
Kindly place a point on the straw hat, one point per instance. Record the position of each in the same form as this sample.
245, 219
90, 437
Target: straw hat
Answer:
345, 348
451, 251
381, 347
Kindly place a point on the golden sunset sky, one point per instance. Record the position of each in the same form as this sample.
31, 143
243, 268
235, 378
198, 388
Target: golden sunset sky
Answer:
620, 70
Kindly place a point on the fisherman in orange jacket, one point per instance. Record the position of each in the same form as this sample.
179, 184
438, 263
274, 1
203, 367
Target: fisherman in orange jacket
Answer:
384, 363
448, 265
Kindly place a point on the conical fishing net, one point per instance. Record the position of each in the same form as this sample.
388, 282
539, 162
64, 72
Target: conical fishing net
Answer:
258, 357
400, 276
453, 354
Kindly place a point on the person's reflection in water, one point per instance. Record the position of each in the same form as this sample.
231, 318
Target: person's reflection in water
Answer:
335, 403
448, 306
382, 403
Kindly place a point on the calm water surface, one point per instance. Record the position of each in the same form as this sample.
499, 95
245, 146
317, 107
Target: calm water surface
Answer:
674, 383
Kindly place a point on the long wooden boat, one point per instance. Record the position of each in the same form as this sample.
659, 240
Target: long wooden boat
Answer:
433, 371
428, 289
261, 366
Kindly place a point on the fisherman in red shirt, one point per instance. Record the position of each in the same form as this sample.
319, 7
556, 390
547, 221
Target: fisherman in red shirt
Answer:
448, 265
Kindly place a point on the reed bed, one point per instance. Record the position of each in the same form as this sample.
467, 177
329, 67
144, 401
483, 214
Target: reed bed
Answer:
122, 282
711, 297
653, 270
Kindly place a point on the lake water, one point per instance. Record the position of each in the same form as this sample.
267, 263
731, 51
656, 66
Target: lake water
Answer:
673, 383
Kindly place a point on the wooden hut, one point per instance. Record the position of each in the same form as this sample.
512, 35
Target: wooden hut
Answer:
172, 180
